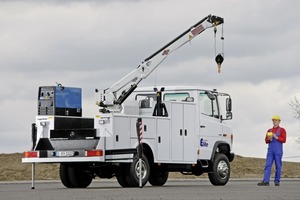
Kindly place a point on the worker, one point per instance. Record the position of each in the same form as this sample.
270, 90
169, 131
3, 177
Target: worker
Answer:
275, 137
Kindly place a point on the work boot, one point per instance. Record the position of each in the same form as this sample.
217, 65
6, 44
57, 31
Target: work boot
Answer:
263, 183
277, 184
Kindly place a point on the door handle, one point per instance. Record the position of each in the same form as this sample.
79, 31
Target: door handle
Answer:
180, 132
185, 132
159, 140
202, 126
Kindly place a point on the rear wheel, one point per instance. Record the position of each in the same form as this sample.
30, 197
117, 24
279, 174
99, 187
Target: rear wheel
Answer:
64, 175
121, 174
132, 173
220, 170
158, 177
80, 176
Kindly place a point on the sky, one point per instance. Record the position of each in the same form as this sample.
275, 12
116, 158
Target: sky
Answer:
92, 44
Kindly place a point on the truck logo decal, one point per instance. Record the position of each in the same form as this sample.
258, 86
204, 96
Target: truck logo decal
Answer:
203, 143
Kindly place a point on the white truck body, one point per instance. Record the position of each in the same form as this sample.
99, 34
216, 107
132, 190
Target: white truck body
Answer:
187, 135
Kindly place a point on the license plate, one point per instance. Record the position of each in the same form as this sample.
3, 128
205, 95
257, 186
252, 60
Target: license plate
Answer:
64, 153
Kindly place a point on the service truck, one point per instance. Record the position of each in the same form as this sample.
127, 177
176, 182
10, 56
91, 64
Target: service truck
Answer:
140, 134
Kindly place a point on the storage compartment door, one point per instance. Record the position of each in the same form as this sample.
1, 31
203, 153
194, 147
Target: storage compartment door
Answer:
177, 132
121, 132
163, 139
190, 151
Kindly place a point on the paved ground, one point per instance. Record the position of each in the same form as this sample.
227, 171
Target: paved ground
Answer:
174, 189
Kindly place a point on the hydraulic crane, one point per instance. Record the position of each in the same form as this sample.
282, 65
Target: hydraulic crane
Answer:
111, 98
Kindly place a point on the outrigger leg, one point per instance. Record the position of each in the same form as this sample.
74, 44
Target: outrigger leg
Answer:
33, 176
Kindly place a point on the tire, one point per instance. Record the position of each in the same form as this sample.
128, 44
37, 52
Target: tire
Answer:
132, 177
64, 175
121, 175
79, 176
220, 170
158, 177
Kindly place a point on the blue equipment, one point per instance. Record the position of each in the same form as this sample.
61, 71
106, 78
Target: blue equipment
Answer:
59, 100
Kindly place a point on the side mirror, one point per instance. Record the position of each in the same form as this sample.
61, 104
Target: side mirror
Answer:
228, 109
228, 105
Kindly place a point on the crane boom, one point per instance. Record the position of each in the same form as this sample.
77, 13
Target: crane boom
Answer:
109, 97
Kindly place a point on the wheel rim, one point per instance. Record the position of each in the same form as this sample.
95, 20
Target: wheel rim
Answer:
223, 169
144, 169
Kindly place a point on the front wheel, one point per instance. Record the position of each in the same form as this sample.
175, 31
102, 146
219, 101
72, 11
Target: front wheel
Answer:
220, 170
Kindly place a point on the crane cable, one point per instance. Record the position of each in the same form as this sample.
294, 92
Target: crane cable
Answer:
220, 57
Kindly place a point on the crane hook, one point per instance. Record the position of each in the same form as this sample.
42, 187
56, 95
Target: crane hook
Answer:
219, 60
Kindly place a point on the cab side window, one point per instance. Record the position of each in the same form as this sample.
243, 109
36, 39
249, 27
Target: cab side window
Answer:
176, 96
208, 106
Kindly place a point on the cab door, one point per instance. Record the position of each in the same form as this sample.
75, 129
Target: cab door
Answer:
210, 123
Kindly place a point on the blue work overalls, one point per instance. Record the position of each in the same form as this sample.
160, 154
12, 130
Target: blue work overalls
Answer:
274, 153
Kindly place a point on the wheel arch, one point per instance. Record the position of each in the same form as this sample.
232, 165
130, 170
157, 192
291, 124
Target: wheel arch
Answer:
147, 151
222, 147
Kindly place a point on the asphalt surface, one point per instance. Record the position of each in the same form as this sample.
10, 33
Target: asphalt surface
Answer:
174, 189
